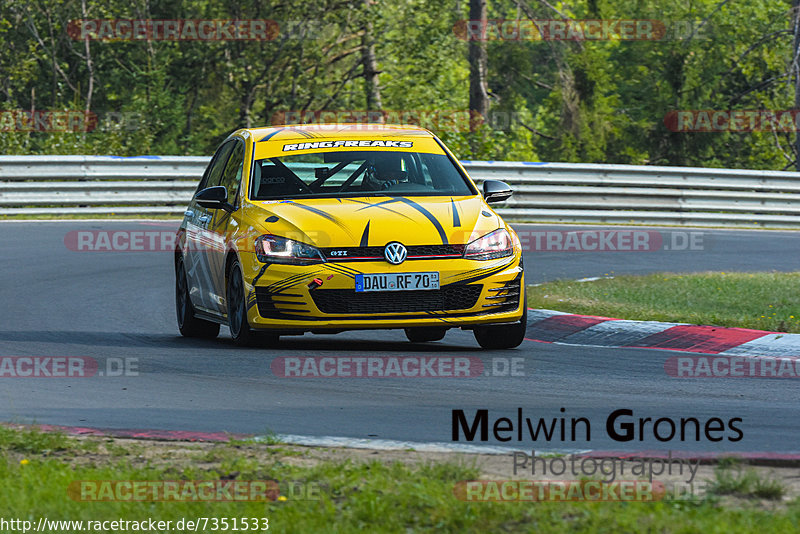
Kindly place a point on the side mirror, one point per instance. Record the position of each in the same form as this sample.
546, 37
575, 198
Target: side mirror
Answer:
214, 198
496, 191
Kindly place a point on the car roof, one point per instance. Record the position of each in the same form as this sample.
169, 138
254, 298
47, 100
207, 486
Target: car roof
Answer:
324, 131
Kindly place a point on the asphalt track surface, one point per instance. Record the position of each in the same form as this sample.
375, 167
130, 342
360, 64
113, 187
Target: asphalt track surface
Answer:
59, 302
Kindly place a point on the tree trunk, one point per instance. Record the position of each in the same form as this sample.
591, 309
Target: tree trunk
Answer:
89, 64
370, 65
478, 66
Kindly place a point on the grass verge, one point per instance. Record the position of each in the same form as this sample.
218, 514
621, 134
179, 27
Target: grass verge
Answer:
37, 468
763, 301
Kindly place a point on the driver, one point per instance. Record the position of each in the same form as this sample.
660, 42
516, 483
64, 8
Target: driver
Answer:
386, 171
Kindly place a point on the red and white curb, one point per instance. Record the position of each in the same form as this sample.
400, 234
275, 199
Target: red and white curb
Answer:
568, 329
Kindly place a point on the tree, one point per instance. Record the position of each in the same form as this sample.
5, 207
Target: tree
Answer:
478, 68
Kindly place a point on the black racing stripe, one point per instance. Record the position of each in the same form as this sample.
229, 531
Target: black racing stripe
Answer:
381, 206
287, 283
261, 273
290, 279
338, 270
317, 211
378, 205
251, 299
467, 273
342, 267
480, 269
269, 136
429, 216
302, 132
440, 316
348, 269
365, 236
486, 274
278, 282
456, 218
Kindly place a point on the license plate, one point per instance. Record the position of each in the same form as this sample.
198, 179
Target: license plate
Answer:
396, 281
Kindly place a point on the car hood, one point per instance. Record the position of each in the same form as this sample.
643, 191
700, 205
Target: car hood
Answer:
377, 220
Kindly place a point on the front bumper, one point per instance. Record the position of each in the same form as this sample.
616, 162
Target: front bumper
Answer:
284, 297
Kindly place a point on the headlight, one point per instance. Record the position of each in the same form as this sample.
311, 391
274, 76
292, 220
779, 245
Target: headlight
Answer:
494, 245
276, 249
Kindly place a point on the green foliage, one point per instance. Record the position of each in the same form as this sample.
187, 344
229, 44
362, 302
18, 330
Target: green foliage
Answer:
33, 441
746, 483
588, 101
349, 495
697, 298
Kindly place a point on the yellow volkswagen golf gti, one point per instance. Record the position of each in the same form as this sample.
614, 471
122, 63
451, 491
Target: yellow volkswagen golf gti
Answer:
328, 228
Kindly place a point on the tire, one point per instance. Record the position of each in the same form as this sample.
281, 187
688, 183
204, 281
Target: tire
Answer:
425, 334
242, 334
188, 324
505, 336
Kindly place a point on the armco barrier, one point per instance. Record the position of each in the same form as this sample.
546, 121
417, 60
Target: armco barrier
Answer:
547, 192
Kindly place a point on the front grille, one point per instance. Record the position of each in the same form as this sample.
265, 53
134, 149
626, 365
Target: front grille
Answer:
414, 251
458, 297
435, 250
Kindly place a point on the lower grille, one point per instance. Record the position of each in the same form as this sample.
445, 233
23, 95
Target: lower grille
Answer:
460, 297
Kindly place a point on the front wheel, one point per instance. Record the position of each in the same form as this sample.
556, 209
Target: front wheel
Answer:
240, 329
188, 324
504, 336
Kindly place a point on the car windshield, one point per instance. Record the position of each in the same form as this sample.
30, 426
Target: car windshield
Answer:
356, 173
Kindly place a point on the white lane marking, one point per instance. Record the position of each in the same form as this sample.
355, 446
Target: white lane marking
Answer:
619, 329
534, 315
768, 345
390, 445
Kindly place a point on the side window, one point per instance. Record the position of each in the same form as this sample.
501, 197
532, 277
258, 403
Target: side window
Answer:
214, 172
232, 176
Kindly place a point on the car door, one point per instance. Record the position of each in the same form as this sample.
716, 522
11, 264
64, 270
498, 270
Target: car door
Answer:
198, 240
220, 226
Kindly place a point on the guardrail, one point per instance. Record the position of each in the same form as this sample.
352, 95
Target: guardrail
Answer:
546, 192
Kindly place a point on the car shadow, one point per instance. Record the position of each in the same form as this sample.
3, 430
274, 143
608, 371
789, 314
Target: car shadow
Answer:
308, 342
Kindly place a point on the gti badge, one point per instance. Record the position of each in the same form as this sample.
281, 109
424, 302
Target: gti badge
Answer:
395, 253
